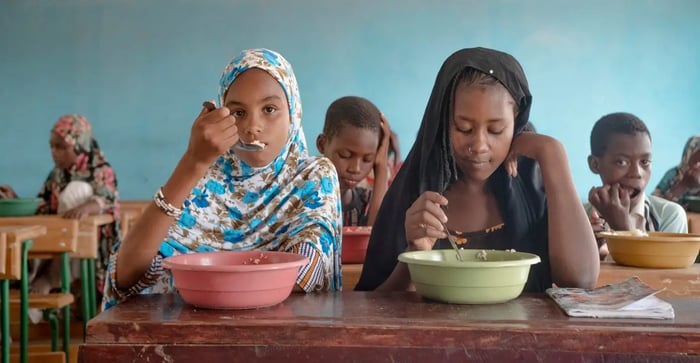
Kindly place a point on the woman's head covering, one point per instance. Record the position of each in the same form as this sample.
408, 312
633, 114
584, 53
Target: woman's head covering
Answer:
430, 165
691, 146
675, 175
90, 165
290, 201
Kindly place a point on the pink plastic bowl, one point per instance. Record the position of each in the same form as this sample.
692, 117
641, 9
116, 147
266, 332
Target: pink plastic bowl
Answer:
235, 279
355, 241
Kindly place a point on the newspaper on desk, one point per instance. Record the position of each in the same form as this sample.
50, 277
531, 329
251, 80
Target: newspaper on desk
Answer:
630, 298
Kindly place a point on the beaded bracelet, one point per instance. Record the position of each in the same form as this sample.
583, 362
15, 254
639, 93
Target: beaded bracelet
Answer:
167, 208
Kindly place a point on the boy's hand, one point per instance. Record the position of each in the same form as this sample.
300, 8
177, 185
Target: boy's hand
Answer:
6, 192
613, 203
383, 149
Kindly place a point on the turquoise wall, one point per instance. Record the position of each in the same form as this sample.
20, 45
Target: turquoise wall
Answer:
139, 70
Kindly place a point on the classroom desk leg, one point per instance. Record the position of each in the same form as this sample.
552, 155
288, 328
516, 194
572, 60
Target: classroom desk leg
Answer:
24, 304
50, 316
92, 289
85, 288
65, 287
5, 321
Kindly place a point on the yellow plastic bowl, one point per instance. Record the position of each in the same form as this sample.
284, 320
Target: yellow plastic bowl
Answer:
656, 250
438, 275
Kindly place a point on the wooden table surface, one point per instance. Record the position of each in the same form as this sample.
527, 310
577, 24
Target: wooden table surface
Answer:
387, 327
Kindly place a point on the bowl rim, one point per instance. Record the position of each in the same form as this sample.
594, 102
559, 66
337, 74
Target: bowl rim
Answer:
172, 263
669, 237
356, 230
530, 259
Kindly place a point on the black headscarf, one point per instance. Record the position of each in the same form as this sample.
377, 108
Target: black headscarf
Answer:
430, 166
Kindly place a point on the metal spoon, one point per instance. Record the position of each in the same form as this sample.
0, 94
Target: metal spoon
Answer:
452, 242
240, 145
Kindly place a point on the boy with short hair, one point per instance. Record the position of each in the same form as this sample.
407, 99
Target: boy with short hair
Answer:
621, 155
355, 138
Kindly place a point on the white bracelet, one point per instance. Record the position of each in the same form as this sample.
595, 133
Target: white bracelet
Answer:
167, 208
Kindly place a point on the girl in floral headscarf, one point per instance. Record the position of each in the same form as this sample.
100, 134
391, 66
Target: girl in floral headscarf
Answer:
82, 183
683, 181
225, 197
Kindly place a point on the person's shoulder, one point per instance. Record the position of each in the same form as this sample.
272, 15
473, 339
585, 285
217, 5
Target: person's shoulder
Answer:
666, 209
318, 166
665, 205
671, 172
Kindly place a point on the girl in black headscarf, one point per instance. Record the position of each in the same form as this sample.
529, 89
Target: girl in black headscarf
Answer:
471, 152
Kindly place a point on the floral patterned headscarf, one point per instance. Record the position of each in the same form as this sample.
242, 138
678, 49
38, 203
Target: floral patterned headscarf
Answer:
90, 165
292, 200
675, 175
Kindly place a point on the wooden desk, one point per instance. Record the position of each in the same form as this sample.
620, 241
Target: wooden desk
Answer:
351, 275
677, 282
14, 236
383, 327
693, 222
131, 210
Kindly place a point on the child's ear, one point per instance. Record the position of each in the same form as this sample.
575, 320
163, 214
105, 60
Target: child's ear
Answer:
321, 143
594, 164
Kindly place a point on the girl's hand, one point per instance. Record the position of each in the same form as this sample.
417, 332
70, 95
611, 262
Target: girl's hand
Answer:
528, 144
6, 192
383, 149
424, 220
213, 133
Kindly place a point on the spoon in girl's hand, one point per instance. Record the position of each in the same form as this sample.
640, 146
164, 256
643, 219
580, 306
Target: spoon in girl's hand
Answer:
240, 145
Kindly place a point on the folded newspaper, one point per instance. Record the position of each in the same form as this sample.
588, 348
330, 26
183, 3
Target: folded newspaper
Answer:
630, 298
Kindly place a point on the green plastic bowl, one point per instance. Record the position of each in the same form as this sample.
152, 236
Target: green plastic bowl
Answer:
438, 275
694, 204
19, 207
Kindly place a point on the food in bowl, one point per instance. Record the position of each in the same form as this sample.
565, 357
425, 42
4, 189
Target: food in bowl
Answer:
438, 275
654, 250
235, 279
19, 207
355, 241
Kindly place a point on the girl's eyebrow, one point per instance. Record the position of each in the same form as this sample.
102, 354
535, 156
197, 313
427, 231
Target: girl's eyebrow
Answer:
468, 119
266, 99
